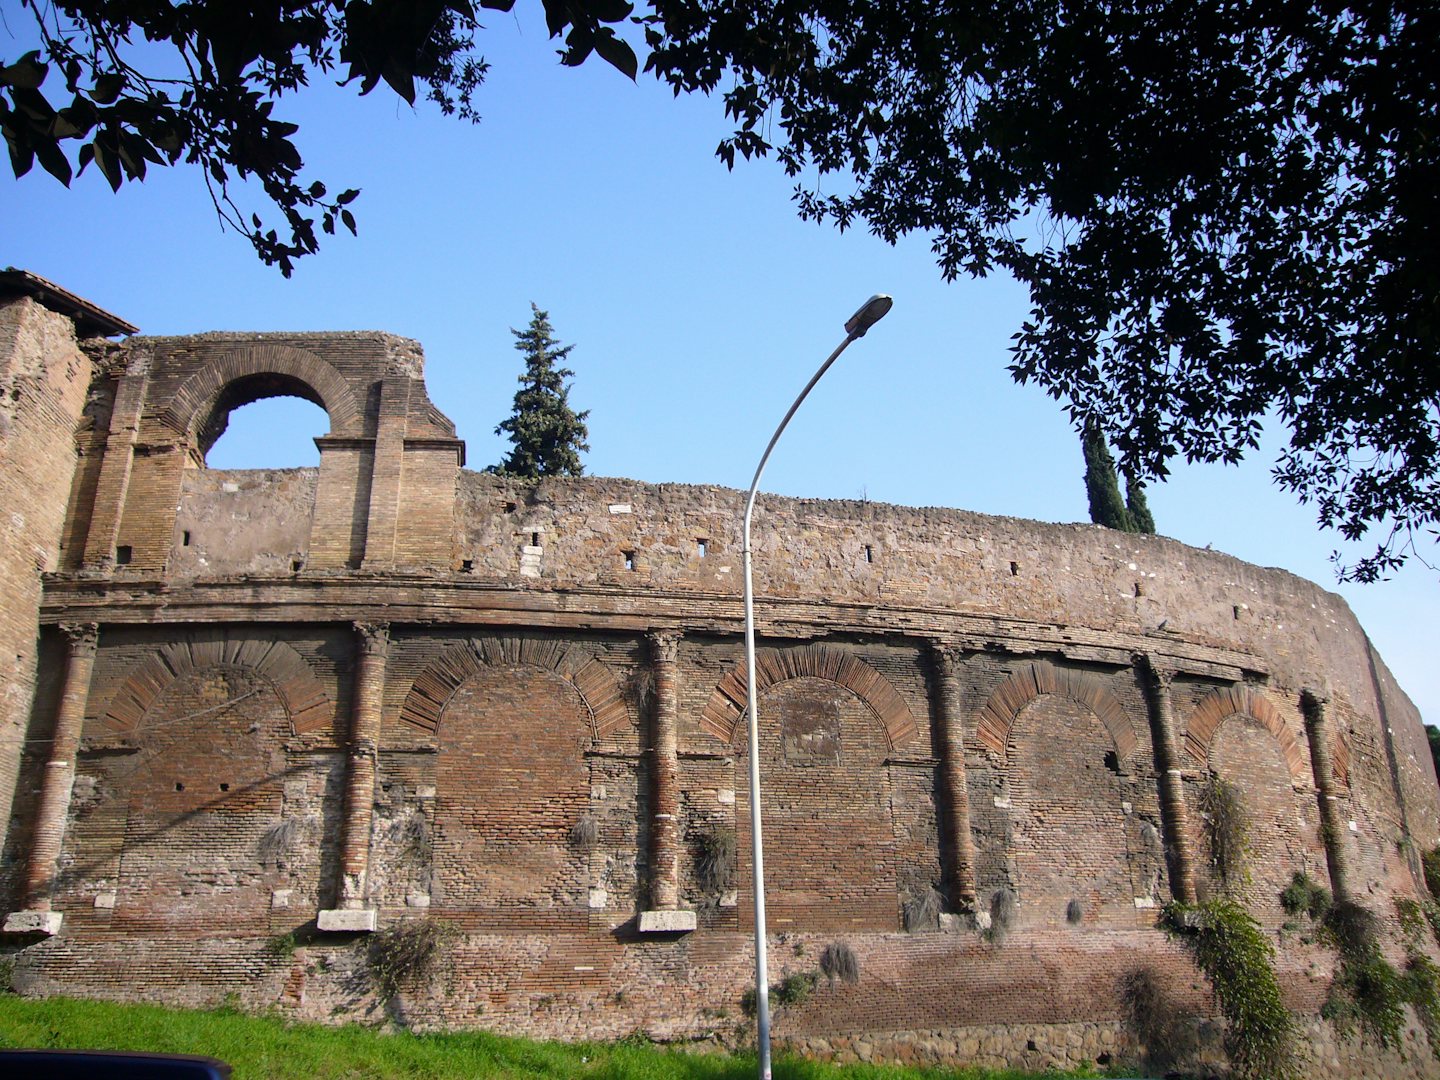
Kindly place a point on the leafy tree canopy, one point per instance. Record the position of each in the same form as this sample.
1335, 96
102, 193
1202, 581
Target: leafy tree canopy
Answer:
1223, 209
548, 436
87, 95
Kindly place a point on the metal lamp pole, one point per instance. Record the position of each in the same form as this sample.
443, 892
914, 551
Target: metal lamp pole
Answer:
871, 312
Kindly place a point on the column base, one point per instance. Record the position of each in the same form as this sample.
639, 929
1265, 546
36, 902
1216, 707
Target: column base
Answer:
347, 920
666, 922
34, 922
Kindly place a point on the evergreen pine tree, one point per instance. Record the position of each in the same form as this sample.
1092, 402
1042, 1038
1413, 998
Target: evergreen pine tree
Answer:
1137, 507
548, 436
1101, 484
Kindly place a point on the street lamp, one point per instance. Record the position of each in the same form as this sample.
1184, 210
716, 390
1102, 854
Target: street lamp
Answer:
871, 312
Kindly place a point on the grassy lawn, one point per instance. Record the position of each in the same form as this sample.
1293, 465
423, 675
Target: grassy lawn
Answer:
264, 1047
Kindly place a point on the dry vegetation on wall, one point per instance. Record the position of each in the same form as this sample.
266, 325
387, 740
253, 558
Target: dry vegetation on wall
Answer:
1228, 830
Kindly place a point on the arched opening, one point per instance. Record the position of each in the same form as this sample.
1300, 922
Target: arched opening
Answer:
268, 421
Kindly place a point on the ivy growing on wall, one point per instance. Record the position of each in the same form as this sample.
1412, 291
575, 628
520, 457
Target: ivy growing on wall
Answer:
1237, 959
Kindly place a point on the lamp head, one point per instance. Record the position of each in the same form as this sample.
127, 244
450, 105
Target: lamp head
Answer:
871, 312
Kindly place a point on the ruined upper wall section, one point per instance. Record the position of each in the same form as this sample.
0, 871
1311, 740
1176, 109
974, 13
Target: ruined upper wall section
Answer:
187, 377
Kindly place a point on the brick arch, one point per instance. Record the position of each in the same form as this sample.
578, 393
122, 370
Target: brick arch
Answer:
1220, 705
997, 715
304, 699
727, 704
191, 407
592, 680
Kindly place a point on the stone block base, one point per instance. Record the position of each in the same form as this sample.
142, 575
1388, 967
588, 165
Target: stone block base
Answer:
347, 920
666, 922
34, 922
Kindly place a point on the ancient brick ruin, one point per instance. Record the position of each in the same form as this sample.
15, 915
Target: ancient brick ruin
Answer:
317, 702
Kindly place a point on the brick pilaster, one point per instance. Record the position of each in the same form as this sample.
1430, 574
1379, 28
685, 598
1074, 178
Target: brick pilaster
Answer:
955, 797
387, 473
1173, 815
1317, 730
664, 773
372, 646
59, 780
113, 486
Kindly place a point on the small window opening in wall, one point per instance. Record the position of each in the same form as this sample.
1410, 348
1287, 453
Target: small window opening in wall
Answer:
123, 554
1014, 569
179, 787
702, 546
296, 565
535, 539
1139, 589
185, 538
224, 787
1236, 610
1112, 761
510, 507
467, 565
629, 559
869, 554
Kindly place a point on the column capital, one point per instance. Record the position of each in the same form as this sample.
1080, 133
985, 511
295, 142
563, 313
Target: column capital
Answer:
1157, 673
81, 637
1313, 701
946, 655
374, 636
664, 646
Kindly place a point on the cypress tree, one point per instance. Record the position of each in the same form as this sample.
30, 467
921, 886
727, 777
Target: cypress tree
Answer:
1101, 484
1137, 507
548, 436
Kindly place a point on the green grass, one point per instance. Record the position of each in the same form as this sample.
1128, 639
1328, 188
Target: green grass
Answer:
265, 1047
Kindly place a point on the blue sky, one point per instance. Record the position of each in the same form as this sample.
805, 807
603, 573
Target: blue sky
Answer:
697, 301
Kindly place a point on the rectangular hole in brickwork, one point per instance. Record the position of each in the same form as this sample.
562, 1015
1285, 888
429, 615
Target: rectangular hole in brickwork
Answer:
629, 559
510, 507
702, 547
224, 787
123, 554
296, 565
869, 554
535, 539
179, 787
1139, 589
1014, 569
467, 565
185, 538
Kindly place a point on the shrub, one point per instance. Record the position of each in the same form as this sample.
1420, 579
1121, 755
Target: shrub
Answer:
838, 961
405, 953
1003, 908
1367, 991
1431, 863
585, 833
1305, 896
715, 865
1421, 984
920, 908
794, 989
1237, 959
1228, 830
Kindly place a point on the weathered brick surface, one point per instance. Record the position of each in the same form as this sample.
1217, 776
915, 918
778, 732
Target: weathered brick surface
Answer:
44, 378
518, 790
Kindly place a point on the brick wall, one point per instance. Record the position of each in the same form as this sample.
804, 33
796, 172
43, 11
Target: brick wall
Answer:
515, 766
44, 378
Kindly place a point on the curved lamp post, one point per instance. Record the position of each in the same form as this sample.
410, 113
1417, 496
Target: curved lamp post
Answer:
871, 312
